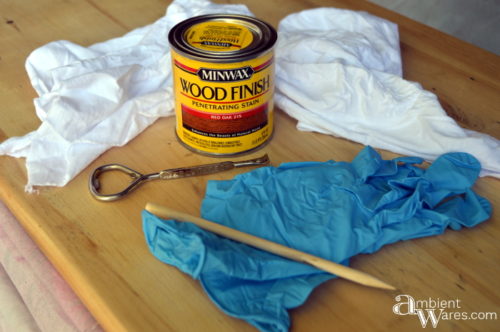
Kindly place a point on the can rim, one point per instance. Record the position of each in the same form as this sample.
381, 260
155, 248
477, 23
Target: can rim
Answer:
265, 37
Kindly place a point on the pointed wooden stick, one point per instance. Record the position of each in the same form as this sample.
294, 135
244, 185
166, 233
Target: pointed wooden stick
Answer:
275, 248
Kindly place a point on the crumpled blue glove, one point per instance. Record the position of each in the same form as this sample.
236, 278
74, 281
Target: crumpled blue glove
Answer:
334, 210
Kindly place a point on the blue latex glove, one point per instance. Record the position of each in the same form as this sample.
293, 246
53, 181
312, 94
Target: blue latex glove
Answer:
334, 210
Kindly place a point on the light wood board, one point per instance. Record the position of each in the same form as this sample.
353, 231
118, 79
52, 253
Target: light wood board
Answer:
100, 250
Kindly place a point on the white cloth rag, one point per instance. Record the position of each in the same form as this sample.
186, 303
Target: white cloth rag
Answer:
338, 72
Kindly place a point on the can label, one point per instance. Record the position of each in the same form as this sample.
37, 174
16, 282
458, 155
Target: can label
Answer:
223, 108
219, 36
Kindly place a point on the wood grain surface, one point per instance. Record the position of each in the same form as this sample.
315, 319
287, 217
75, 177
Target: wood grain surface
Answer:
100, 250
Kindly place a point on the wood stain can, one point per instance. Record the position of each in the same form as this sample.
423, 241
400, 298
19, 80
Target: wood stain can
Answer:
223, 71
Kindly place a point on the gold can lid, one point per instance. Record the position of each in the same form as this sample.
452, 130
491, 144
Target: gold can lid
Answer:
222, 37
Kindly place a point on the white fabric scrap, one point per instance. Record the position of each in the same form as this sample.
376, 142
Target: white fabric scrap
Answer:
94, 98
338, 72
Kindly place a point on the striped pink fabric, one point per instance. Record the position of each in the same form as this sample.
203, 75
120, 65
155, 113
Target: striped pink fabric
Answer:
33, 295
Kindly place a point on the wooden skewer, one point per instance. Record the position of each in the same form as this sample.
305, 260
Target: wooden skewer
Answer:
266, 245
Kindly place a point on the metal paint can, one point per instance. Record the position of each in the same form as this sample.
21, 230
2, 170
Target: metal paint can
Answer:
223, 71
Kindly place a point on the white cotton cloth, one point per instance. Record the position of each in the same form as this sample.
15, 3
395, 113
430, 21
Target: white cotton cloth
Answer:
338, 72
94, 98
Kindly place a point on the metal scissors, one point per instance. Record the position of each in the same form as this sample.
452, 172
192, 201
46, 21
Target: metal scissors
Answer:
167, 174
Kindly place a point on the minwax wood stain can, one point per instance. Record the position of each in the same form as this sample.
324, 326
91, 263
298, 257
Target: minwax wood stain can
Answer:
223, 69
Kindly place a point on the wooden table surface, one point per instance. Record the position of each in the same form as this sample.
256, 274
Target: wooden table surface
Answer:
100, 250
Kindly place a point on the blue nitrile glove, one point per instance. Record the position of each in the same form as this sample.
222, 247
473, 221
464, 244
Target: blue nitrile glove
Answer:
334, 210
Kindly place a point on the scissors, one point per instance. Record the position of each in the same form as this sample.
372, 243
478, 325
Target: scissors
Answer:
167, 174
